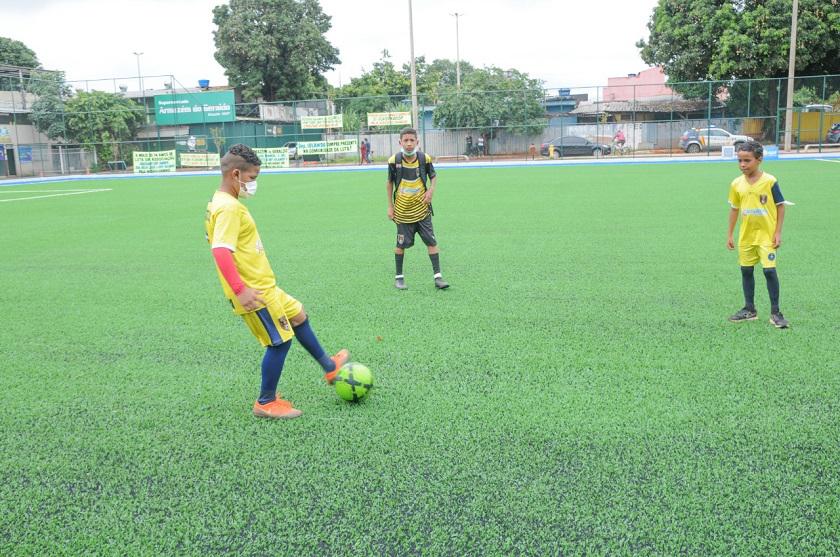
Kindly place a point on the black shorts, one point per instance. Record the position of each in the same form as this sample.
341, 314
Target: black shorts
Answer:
407, 230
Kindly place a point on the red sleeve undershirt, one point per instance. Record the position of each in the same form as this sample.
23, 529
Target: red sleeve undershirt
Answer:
224, 260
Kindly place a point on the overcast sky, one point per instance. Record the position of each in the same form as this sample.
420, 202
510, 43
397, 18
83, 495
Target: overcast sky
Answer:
561, 42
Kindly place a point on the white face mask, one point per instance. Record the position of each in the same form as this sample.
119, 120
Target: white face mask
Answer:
408, 153
247, 189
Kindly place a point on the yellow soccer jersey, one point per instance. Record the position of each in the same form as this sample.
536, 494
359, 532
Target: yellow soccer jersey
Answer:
409, 189
757, 204
230, 225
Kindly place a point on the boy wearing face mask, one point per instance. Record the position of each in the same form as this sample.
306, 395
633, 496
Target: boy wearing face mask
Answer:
272, 315
410, 203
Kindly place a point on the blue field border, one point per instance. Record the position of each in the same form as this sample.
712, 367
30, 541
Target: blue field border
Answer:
382, 167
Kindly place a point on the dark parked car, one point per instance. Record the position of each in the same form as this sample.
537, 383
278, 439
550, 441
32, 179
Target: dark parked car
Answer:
833, 135
572, 146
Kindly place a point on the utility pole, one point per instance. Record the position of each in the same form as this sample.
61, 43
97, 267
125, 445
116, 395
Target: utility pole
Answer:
457, 52
414, 121
791, 72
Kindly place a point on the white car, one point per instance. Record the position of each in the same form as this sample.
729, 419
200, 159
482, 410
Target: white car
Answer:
710, 139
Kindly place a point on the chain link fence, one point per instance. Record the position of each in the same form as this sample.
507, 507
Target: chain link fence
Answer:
680, 119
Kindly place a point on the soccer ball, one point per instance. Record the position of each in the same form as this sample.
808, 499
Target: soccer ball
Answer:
353, 382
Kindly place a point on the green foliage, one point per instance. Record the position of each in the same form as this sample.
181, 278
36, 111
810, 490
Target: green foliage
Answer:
805, 96
15, 53
374, 89
102, 119
274, 49
370, 91
493, 98
48, 109
722, 39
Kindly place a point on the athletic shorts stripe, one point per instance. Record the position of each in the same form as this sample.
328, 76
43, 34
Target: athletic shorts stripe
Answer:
270, 328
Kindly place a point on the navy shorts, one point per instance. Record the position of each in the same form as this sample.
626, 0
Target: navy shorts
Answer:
407, 230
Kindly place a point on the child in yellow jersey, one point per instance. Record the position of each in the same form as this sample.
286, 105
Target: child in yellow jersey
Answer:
756, 196
410, 203
273, 316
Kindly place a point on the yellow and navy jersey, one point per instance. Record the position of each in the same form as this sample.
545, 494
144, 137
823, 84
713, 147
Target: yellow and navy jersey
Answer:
409, 188
757, 204
229, 225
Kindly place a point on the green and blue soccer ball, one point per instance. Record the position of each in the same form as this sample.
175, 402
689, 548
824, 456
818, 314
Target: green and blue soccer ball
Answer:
353, 382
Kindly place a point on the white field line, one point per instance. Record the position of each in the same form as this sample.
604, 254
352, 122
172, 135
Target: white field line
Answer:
12, 190
829, 160
64, 193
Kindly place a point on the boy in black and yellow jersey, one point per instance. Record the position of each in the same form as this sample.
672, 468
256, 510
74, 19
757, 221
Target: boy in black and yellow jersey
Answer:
410, 203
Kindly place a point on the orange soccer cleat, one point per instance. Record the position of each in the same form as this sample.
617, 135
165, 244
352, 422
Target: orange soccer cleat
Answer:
277, 409
340, 359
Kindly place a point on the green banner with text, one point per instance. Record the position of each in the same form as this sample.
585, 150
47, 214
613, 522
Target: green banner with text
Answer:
194, 108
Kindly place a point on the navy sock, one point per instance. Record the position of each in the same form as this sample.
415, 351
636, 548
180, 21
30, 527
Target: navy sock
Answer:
772, 288
435, 257
748, 282
272, 367
306, 336
398, 257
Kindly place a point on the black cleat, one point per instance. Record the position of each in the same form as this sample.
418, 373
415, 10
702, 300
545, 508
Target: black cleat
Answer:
441, 284
744, 314
778, 320
399, 283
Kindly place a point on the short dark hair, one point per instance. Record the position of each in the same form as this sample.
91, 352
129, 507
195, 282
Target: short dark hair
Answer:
753, 147
240, 157
408, 131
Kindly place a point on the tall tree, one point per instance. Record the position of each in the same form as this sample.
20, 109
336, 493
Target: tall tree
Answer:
102, 119
15, 53
491, 99
726, 39
48, 109
274, 49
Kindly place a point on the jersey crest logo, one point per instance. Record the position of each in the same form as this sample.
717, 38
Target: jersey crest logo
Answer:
763, 199
284, 323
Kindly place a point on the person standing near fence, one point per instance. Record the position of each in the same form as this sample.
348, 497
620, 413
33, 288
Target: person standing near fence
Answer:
363, 150
368, 151
410, 203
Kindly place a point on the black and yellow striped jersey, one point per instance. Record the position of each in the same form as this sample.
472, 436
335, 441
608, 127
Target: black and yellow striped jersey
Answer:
409, 188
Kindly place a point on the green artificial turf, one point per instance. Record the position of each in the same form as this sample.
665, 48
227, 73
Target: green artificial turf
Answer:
578, 389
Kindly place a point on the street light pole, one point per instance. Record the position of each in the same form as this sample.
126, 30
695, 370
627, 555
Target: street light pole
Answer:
140, 82
791, 72
457, 52
413, 69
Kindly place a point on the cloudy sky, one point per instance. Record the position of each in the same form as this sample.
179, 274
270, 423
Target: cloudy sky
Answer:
562, 42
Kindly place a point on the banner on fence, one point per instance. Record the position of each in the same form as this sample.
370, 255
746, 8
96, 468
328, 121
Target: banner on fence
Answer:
321, 122
154, 161
5, 135
389, 118
205, 160
25, 153
327, 147
273, 157
194, 108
